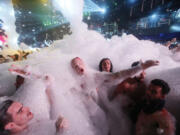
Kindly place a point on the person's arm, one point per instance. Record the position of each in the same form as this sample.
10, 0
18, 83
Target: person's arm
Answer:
129, 72
121, 88
24, 72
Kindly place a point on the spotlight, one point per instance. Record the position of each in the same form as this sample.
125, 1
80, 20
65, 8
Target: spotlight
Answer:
154, 16
103, 10
132, 1
178, 14
175, 28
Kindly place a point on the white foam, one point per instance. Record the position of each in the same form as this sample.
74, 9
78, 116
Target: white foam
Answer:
91, 47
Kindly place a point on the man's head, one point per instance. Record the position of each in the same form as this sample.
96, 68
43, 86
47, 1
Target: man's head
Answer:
78, 65
157, 89
105, 65
14, 117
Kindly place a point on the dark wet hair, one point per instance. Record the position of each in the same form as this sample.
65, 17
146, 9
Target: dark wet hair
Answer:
16, 57
165, 87
1, 56
19, 81
135, 63
100, 64
4, 117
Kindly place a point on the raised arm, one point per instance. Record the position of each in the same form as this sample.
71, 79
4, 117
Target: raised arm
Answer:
24, 72
129, 72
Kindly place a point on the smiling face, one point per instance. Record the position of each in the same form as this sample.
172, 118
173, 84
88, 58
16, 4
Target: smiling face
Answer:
106, 65
78, 65
20, 115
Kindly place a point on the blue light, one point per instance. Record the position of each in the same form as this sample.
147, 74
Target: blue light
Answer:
154, 16
90, 6
178, 14
103, 10
132, 1
175, 28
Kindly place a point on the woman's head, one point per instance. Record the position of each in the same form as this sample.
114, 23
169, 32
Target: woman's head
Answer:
105, 65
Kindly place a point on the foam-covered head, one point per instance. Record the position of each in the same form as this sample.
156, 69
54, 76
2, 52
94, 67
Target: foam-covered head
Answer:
78, 65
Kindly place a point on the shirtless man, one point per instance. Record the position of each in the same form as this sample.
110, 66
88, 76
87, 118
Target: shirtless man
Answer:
15, 118
19, 117
154, 118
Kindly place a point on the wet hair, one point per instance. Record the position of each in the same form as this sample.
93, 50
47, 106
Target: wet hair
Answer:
16, 57
19, 81
1, 56
100, 64
5, 117
134, 64
165, 87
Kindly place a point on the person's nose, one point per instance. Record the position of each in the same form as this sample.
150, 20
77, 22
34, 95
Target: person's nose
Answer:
25, 109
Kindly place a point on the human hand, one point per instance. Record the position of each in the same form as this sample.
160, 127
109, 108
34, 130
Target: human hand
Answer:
61, 123
149, 63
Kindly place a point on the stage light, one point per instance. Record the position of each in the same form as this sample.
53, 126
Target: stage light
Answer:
154, 16
132, 1
103, 10
178, 14
175, 28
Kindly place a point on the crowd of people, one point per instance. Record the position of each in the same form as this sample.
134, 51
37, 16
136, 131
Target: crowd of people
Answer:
145, 106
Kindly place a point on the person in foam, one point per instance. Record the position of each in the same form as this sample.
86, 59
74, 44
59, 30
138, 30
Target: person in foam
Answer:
17, 113
153, 117
103, 77
89, 98
106, 65
78, 65
15, 119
